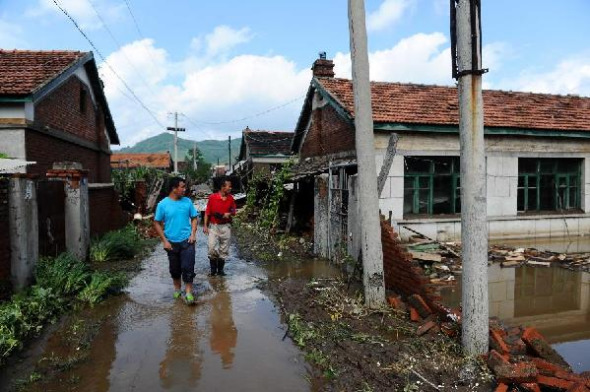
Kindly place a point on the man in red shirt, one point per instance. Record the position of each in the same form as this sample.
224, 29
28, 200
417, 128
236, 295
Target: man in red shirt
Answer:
218, 214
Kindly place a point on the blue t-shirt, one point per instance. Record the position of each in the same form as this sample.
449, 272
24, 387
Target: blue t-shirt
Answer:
176, 216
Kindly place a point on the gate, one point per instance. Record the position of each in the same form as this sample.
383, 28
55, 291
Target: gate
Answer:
51, 214
338, 210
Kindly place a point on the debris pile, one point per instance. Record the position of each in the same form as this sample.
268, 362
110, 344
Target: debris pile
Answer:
442, 264
519, 357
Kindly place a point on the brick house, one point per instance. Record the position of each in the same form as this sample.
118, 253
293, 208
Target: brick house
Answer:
161, 161
53, 109
537, 155
262, 152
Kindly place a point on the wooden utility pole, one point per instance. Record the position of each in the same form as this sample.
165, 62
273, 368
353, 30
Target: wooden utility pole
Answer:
372, 253
466, 17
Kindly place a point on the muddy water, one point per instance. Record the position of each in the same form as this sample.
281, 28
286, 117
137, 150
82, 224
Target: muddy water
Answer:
231, 340
554, 300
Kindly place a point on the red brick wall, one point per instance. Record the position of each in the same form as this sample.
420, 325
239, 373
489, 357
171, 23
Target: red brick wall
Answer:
402, 275
328, 134
45, 150
105, 211
61, 111
4, 237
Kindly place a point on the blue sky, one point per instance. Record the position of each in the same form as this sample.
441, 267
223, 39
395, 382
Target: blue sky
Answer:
225, 65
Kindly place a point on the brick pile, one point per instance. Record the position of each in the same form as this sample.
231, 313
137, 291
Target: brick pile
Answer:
520, 358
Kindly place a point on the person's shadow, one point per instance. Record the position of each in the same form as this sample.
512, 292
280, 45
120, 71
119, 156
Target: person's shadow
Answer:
224, 334
181, 366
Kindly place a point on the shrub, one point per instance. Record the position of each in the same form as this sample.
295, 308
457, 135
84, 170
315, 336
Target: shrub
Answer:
116, 245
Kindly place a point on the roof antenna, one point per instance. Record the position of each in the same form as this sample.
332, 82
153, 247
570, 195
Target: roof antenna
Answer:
322, 55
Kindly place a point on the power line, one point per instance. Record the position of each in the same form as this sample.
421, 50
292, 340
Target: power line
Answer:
107, 64
138, 29
196, 122
120, 47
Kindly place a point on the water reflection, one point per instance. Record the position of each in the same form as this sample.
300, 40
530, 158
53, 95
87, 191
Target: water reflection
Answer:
224, 333
182, 362
554, 300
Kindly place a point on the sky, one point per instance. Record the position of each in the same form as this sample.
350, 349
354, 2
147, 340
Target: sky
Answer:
227, 64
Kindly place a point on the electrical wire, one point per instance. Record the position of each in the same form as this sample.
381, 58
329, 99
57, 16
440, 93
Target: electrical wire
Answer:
197, 122
106, 63
116, 41
138, 29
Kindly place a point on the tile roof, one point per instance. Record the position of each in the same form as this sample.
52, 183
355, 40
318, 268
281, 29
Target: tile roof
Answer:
438, 105
132, 160
24, 71
268, 142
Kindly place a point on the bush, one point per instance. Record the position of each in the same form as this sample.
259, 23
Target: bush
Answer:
100, 285
116, 245
65, 274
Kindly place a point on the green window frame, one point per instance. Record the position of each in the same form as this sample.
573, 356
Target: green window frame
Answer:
432, 185
549, 184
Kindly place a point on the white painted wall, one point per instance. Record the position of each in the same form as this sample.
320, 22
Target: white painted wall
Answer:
502, 154
12, 143
12, 110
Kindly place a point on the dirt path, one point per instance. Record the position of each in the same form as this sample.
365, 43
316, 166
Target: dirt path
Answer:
145, 340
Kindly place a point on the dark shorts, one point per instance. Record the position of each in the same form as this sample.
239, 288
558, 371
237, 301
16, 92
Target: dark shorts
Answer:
182, 261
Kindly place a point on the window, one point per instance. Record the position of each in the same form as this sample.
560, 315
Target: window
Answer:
82, 100
548, 184
432, 185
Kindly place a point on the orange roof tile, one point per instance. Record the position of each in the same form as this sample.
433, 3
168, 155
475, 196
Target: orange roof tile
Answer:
438, 105
25, 71
132, 160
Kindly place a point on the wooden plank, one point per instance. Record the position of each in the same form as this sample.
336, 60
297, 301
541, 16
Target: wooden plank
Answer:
426, 256
387, 161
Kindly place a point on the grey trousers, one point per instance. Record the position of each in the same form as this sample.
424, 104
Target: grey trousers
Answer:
218, 241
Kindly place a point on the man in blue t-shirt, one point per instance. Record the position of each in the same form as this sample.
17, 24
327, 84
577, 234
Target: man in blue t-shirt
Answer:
176, 223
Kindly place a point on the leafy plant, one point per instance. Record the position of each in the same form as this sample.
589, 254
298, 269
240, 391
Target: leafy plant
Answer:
116, 245
99, 286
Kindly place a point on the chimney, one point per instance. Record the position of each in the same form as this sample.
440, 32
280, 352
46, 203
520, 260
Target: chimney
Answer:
323, 68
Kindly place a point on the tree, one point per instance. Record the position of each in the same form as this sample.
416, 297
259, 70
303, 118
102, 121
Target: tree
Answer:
203, 169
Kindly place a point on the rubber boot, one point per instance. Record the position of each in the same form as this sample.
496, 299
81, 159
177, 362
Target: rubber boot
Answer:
214, 265
220, 265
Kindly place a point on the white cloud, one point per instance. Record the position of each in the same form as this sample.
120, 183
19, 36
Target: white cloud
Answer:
11, 35
421, 58
224, 38
80, 10
389, 12
570, 76
211, 91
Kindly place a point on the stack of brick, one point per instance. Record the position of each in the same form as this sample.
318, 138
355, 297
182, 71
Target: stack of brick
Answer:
72, 175
520, 358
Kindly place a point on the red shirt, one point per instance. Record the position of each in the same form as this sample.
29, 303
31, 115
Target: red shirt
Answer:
216, 205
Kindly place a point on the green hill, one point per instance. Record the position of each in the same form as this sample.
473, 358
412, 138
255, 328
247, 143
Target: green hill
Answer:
212, 150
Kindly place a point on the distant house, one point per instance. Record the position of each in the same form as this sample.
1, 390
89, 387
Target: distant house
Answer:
262, 152
160, 161
53, 108
537, 156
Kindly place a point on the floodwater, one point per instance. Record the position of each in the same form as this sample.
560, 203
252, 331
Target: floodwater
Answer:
554, 300
232, 340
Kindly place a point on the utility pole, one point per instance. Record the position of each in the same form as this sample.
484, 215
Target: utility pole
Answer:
195, 157
176, 130
229, 147
467, 69
372, 253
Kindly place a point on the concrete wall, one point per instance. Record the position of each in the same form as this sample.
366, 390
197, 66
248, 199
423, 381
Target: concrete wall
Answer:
502, 154
12, 143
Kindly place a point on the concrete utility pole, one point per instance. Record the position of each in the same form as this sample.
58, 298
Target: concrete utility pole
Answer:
372, 253
195, 157
229, 147
176, 130
474, 233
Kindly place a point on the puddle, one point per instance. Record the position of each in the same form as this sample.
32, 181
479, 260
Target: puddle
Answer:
554, 300
231, 340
